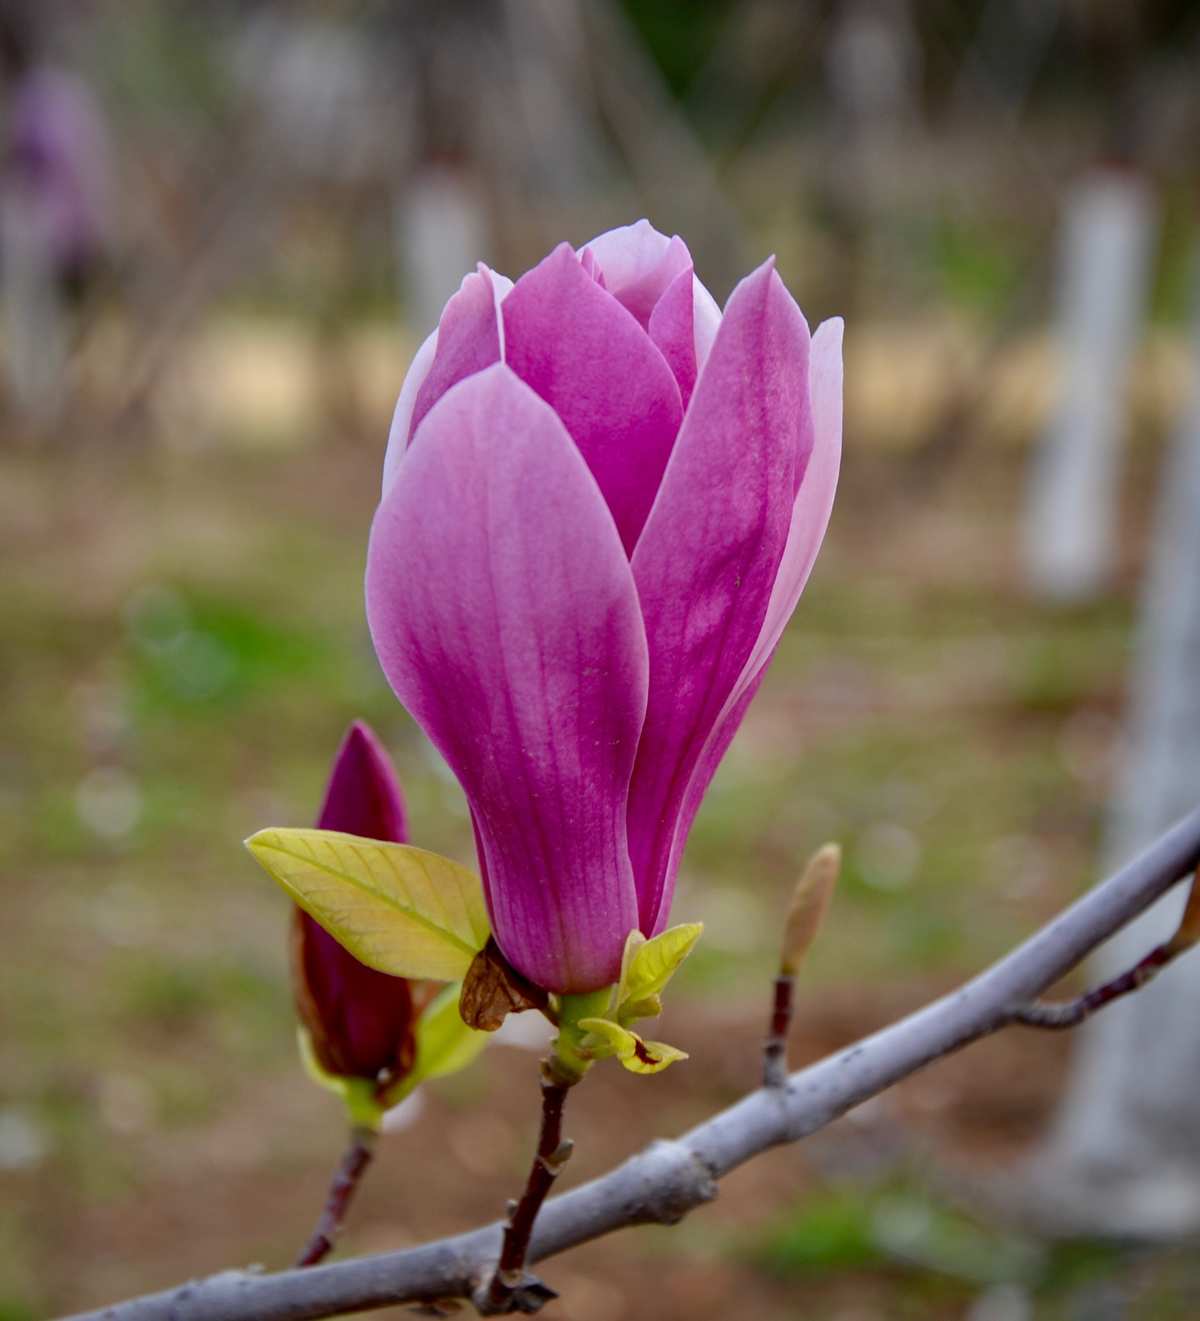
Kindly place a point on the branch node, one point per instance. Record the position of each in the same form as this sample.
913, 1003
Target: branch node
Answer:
521, 1291
677, 1181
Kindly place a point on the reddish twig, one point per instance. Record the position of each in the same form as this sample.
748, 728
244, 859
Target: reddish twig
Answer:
345, 1182
511, 1288
775, 1046
1070, 1013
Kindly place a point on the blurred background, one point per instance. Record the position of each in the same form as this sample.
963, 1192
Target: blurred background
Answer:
224, 228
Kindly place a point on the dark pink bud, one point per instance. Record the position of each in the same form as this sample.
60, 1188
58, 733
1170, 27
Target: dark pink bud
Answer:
361, 1021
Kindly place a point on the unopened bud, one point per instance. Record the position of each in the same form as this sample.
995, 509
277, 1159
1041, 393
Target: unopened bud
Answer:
810, 901
360, 1023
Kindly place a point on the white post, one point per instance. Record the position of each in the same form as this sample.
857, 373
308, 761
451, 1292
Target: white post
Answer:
1072, 510
440, 234
1126, 1151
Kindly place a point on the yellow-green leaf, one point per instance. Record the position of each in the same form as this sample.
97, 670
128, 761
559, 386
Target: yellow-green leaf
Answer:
400, 909
445, 1043
648, 965
636, 1055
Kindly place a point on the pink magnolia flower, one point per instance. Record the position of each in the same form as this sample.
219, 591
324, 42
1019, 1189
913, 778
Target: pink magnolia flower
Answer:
361, 1022
602, 498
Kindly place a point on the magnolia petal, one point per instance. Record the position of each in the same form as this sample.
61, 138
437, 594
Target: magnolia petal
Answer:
639, 265
708, 557
594, 365
402, 417
814, 499
505, 617
468, 341
672, 328
587, 259
810, 517
707, 318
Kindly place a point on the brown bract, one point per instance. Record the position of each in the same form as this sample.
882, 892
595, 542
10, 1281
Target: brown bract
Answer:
493, 989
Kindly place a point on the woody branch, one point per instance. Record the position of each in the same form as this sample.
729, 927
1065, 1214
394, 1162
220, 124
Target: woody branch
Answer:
670, 1178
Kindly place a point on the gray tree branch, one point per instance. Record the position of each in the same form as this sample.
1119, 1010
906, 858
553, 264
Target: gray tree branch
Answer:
670, 1178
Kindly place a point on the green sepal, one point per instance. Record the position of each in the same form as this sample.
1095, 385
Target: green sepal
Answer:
646, 968
636, 1055
569, 1059
364, 1107
445, 1044
396, 908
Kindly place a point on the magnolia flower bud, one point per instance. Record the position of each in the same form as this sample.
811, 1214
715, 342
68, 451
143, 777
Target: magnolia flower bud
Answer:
602, 499
361, 1023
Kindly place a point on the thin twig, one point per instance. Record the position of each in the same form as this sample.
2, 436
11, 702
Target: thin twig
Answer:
346, 1177
510, 1287
775, 1046
668, 1179
1070, 1013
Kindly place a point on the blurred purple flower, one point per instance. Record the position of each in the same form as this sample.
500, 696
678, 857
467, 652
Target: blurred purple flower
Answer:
602, 499
58, 155
361, 1022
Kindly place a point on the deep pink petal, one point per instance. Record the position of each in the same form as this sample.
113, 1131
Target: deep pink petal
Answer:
595, 366
672, 328
810, 517
505, 617
708, 558
363, 796
468, 341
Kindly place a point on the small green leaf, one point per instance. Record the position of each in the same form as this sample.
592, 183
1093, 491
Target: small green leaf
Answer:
394, 907
647, 966
445, 1043
636, 1055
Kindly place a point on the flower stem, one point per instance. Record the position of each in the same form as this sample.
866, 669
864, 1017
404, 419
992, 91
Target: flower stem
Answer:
552, 1154
511, 1288
346, 1179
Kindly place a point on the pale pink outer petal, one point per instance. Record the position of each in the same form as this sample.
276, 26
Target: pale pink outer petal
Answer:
583, 353
468, 341
708, 558
810, 518
587, 259
639, 264
504, 614
402, 417
707, 317
423, 360
814, 500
